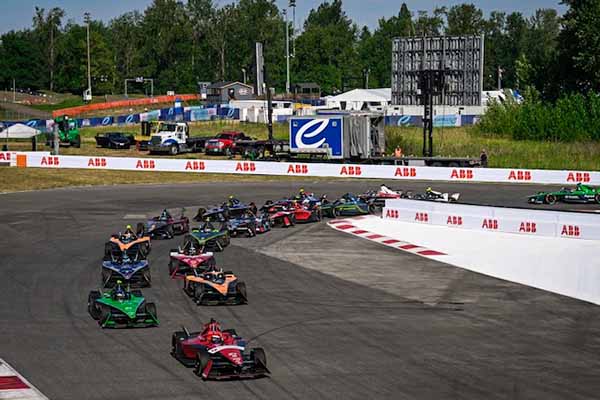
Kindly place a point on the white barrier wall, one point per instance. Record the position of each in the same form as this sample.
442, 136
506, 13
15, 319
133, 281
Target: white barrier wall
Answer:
386, 172
492, 219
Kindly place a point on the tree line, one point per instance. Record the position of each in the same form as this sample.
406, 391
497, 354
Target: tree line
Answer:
179, 44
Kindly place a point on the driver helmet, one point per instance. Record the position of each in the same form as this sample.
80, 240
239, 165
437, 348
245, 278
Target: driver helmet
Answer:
429, 189
119, 292
192, 250
216, 339
164, 214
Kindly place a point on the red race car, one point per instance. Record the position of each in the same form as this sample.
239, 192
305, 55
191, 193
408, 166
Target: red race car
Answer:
304, 211
279, 214
215, 353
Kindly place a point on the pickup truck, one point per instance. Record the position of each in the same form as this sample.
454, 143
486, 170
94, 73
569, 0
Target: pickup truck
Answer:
225, 143
173, 138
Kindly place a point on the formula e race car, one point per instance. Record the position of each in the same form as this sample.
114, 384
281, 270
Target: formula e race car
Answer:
432, 195
185, 260
218, 354
215, 287
135, 246
133, 271
279, 213
165, 226
209, 238
121, 308
579, 194
377, 198
347, 205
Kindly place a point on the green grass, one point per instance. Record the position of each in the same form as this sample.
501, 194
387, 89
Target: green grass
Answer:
502, 152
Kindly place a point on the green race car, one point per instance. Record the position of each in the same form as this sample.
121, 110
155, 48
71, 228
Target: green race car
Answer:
347, 206
579, 194
121, 308
209, 238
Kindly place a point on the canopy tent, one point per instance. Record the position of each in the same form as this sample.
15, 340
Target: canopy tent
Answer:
18, 131
361, 99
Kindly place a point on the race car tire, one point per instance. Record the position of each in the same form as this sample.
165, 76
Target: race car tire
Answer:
550, 199
104, 316
93, 308
150, 309
140, 229
202, 359
372, 209
175, 342
108, 251
198, 294
597, 198
172, 268
241, 292
334, 213
137, 293
259, 357
106, 278
147, 277
170, 232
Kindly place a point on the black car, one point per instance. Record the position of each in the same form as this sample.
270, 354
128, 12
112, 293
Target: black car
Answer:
114, 140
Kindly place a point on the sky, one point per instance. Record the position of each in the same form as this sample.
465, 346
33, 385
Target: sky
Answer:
17, 14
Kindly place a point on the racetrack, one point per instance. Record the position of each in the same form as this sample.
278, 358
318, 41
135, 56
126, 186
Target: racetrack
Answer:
339, 317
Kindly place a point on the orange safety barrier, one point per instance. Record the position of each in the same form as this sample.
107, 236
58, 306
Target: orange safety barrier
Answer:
73, 111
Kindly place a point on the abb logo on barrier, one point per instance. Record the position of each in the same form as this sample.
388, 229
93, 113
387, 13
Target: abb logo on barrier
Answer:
351, 171
145, 164
406, 172
490, 224
528, 227
97, 162
455, 220
421, 217
392, 214
245, 167
462, 174
579, 177
519, 176
55, 161
195, 166
570, 231
299, 169
4, 156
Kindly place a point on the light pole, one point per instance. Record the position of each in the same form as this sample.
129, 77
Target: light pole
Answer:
244, 72
86, 18
287, 52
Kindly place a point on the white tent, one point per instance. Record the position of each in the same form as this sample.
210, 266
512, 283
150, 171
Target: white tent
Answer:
361, 99
18, 131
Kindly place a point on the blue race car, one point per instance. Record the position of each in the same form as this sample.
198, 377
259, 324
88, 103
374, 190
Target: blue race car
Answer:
133, 271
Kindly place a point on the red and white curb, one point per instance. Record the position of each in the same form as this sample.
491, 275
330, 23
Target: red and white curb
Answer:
347, 226
14, 386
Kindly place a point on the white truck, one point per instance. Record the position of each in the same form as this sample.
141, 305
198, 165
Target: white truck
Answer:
173, 138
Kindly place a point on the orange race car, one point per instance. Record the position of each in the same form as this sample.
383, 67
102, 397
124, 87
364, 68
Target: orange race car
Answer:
135, 246
215, 287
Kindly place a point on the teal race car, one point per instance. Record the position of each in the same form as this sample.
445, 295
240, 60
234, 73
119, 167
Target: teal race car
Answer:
348, 205
579, 194
209, 238
121, 308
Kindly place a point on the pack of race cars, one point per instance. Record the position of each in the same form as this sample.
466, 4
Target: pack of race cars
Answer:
213, 352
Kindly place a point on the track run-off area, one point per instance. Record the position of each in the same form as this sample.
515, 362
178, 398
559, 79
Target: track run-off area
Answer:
338, 316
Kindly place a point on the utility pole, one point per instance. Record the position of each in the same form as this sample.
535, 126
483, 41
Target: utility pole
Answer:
500, 73
244, 72
292, 5
14, 90
89, 63
287, 52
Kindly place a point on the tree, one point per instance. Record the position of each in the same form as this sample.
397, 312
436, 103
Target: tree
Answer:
202, 15
325, 51
579, 44
464, 19
376, 49
125, 35
47, 25
426, 25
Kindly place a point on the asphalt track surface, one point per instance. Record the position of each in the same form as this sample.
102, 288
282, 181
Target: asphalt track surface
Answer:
339, 317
